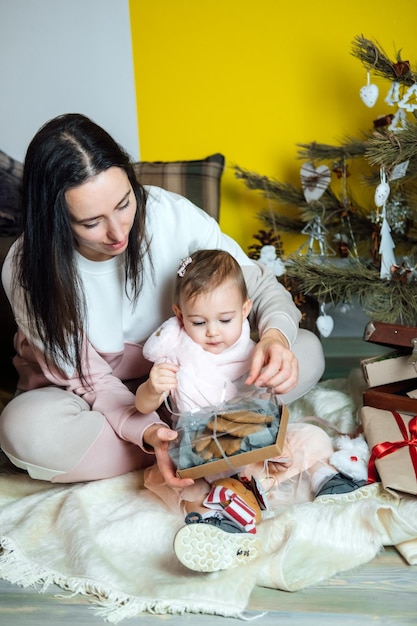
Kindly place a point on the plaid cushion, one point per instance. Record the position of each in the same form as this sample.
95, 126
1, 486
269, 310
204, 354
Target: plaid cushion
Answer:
10, 178
199, 181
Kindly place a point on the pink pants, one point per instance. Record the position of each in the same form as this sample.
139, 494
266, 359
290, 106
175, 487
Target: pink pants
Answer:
70, 445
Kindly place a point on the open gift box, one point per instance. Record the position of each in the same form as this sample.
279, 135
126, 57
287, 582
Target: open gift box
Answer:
391, 378
218, 439
398, 396
392, 439
388, 368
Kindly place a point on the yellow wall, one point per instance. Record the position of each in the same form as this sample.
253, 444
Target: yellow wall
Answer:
253, 79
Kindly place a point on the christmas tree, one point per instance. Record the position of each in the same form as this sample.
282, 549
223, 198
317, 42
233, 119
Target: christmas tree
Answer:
360, 241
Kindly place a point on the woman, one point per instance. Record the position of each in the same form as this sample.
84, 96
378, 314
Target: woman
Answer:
89, 279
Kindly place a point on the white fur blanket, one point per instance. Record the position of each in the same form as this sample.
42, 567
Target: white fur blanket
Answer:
112, 540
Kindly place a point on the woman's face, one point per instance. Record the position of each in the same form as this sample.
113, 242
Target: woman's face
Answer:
102, 212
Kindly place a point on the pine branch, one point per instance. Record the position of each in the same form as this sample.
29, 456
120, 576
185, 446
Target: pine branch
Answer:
383, 300
389, 149
271, 188
314, 151
374, 58
360, 222
278, 222
386, 148
288, 194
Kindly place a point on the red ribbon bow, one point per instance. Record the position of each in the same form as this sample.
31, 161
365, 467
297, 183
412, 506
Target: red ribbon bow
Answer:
388, 447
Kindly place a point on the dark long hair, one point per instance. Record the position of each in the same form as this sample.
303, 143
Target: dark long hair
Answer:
65, 153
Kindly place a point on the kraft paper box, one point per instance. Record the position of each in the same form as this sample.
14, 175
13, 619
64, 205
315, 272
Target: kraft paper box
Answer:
387, 368
252, 433
397, 469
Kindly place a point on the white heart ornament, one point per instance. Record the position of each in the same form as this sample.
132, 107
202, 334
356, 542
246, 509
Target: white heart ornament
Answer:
369, 95
381, 194
324, 325
314, 180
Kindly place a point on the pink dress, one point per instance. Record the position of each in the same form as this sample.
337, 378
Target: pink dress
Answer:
205, 379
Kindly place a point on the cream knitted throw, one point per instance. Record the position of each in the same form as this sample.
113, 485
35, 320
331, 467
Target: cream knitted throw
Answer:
111, 540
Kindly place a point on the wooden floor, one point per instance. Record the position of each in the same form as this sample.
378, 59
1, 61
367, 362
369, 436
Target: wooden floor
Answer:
384, 591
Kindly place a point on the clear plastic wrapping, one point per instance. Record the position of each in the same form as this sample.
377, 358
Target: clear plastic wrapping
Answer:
215, 436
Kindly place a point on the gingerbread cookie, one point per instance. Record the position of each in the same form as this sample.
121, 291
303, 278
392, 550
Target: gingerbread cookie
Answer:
229, 445
247, 417
222, 425
203, 442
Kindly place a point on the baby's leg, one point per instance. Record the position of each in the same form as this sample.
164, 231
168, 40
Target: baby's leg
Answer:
297, 474
54, 436
193, 500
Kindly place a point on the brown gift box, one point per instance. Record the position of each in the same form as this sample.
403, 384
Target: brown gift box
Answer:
243, 458
392, 439
393, 396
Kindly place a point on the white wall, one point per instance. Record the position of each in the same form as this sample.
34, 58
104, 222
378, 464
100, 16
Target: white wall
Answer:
60, 56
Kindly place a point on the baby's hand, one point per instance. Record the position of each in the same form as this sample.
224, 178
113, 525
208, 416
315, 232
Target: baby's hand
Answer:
162, 380
163, 377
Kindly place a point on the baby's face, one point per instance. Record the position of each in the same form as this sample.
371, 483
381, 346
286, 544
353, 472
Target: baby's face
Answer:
214, 320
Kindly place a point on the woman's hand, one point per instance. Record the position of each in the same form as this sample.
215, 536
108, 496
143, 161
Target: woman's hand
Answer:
273, 364
159, 437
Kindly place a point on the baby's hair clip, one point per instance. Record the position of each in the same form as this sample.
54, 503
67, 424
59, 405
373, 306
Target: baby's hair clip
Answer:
183, 265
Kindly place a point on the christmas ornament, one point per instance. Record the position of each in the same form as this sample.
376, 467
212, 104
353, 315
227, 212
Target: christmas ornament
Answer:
382, 191
383, 120
345, 307
386, 249
324, 323
399, 170
401, 68
403, 273
398, 121
369, 93
269, 258
317, 238
409, 100
314, 181
393, 96
398, 213
343, 245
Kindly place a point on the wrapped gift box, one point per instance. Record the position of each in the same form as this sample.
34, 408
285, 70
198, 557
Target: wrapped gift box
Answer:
392, 439
215, 440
